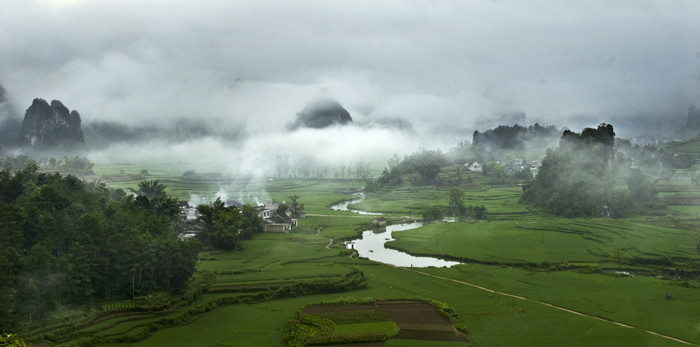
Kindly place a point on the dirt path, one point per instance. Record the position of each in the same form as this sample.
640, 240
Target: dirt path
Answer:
550, 305
329, 244
354, 253
334, 215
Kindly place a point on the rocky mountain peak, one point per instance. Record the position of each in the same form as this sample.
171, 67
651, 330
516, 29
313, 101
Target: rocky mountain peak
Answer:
52, 125
321, 113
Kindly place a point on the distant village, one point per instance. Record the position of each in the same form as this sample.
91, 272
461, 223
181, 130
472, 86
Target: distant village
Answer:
273, 221
517, 165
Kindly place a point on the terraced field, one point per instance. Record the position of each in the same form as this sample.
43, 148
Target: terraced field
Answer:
137, 320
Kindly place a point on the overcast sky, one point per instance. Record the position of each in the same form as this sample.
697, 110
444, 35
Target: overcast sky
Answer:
445, 66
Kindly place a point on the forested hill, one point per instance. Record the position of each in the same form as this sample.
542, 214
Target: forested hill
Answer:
66, 242
515, 137
584, 177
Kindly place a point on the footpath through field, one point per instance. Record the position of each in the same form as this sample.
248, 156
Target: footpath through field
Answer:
332, 215
550, 305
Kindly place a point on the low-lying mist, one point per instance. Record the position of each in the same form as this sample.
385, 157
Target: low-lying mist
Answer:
253, 152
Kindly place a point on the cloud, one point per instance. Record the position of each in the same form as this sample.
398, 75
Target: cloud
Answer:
445, 65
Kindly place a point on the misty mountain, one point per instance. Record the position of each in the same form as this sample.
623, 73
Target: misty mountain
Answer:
47, 126
388, 123
321, 113
10, 123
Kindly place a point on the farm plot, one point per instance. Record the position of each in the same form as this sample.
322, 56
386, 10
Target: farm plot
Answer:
364, 323
418, 321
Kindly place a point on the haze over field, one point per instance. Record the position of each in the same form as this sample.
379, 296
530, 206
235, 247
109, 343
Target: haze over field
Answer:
242, 70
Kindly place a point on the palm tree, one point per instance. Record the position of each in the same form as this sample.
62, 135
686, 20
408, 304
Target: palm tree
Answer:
149, 189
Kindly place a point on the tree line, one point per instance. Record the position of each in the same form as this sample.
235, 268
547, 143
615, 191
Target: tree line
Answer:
307, 166
73, 164
66, 242
584, 176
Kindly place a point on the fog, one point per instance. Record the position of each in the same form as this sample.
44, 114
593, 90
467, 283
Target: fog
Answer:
244, 69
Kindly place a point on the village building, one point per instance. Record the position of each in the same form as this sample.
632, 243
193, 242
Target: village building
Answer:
475, 167
187, 212
274, 221
518, 164
279, 223
190, 228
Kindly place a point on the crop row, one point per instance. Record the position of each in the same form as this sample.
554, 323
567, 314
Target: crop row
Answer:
117, 306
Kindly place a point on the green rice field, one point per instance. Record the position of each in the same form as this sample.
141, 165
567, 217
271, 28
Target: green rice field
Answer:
528, 278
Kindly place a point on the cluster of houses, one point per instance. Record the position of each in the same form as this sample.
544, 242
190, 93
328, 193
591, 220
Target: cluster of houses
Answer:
522, 164
517, 165
273, 221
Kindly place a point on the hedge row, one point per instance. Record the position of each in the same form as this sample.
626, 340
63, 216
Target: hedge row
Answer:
69, 330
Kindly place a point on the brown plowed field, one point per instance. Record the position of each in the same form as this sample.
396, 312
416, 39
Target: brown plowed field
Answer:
417, 320
427, 335
332, 309
405, 305
413, 317
412, 312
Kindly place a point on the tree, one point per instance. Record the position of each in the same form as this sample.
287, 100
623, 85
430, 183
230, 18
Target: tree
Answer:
394, 161
361, 169
149, 189
305, 165
78, 164
225, 232
296, 208
617, 256
282, 209
456, 202
476, 212
428, 171
391, 177
581, 177
431, 213
342, 167
251, 223
227, 226
67, 242
17, 163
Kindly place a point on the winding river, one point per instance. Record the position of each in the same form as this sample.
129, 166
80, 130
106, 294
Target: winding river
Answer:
371, 245
343, 206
